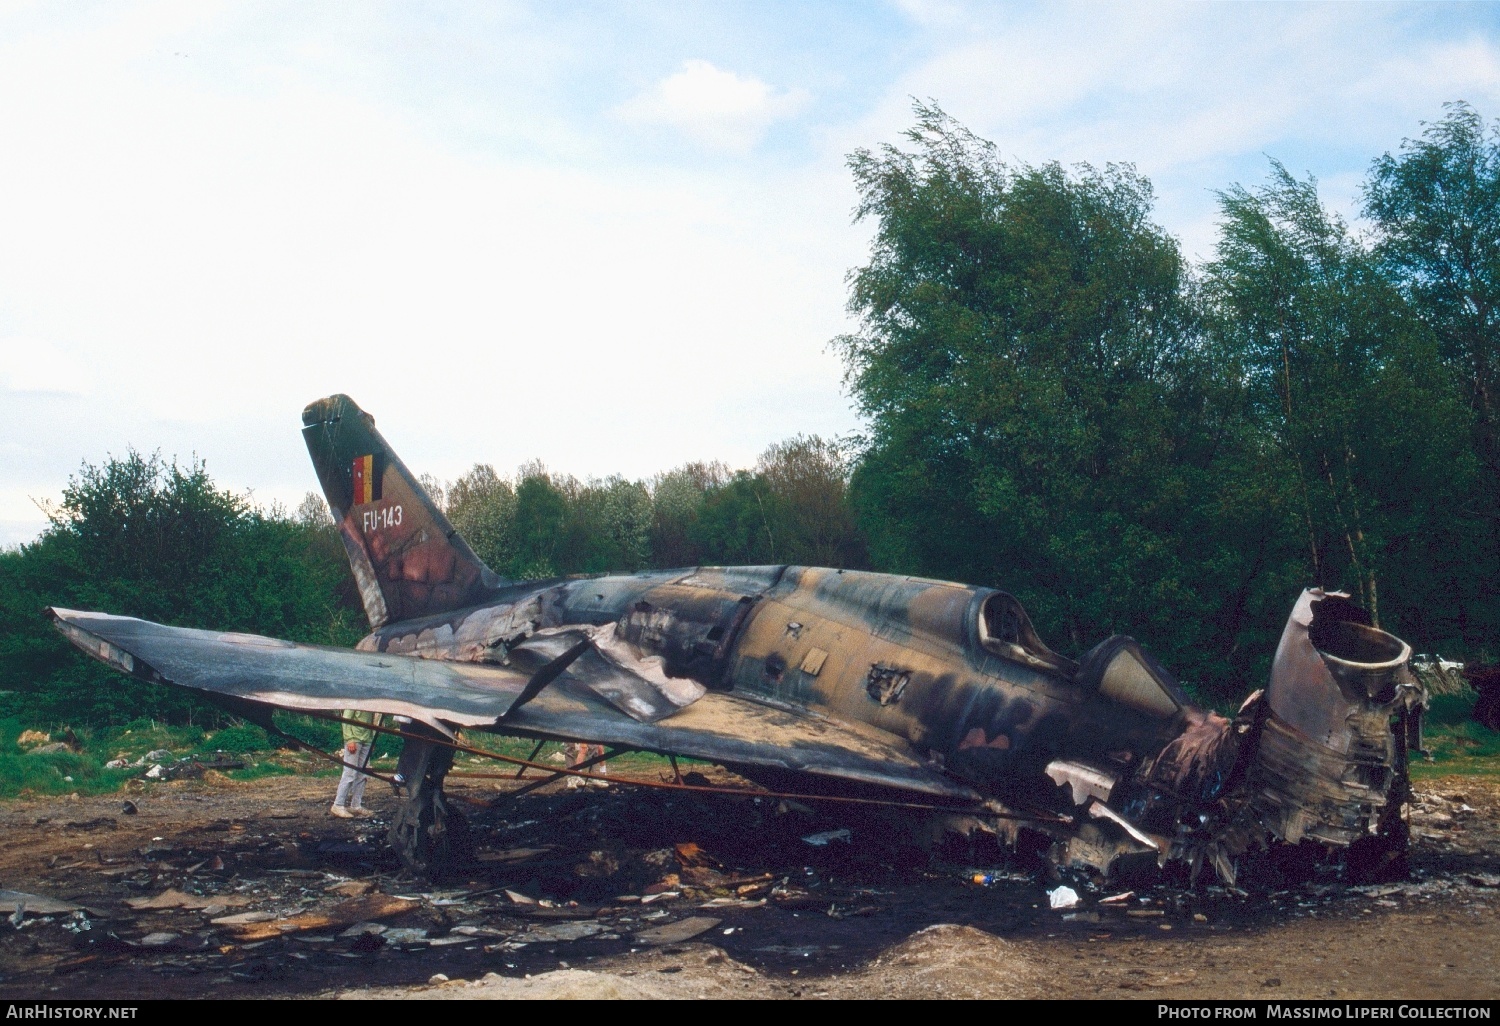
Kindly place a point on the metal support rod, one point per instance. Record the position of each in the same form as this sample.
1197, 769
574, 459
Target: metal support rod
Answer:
612, 753
522, 771
676, 773
738, 792
336, 761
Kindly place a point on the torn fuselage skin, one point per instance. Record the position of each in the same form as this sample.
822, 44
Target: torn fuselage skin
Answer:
1108, 752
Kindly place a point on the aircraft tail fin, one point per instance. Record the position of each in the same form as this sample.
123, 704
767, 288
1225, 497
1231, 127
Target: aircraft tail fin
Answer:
407, 558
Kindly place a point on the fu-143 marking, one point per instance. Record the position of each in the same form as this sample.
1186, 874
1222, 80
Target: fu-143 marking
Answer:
381, 517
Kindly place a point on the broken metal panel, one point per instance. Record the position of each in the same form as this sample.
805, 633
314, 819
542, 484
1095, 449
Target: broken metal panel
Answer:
613, 669
691, 627
1084, 782
1327, 755
1200, 761
1301, 790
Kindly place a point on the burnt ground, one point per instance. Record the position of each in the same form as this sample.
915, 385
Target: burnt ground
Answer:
630, 893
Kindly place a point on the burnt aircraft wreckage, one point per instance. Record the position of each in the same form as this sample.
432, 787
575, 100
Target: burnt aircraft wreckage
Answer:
818, 680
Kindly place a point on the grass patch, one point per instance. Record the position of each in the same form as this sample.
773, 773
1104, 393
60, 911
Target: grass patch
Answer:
270, 768
265, 755
629, 764
56, 773
24, 772
1458, 744
31, 772
239, 740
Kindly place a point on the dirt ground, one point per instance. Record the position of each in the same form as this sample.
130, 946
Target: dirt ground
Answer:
620, 892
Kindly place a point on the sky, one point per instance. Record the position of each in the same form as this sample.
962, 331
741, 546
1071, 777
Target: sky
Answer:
610, 236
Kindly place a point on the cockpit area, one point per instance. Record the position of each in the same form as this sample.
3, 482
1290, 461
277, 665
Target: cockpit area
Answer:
1117, 668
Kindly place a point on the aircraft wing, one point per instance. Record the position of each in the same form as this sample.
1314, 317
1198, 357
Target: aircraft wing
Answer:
315, 678
593, 699
737, 732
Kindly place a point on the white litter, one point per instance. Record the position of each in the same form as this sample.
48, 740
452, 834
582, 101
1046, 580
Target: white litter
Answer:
1064, 897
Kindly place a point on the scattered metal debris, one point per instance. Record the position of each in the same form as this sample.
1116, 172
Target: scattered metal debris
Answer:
20, 903
827, 836
676, 933
171, 898
345, 914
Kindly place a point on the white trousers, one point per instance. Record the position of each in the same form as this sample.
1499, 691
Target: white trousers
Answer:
352, 783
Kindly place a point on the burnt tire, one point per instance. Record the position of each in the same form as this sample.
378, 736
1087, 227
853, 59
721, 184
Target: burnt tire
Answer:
431, 838
1382, 858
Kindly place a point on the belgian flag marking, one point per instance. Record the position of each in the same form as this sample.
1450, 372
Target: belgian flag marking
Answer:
366, 483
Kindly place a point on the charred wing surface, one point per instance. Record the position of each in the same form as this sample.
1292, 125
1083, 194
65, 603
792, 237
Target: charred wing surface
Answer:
279, 673
736, 732
269, 671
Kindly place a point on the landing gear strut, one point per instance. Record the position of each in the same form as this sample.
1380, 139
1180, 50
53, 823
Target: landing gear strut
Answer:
430, 836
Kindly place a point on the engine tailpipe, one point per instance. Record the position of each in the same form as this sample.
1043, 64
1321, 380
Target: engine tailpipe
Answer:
1342, 709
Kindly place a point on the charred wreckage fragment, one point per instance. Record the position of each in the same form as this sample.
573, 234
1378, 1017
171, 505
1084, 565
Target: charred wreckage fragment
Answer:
821, 681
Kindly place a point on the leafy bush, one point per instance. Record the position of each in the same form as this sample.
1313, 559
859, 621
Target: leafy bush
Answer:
320, 734
239, 739
143, 537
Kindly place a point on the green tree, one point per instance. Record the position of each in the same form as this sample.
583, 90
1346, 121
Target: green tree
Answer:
609, 526
1436, 206
736, 524
1344, 380
677, 500
481, 505
1436, 209
805, 480
141, 537
1042, 404
540, 524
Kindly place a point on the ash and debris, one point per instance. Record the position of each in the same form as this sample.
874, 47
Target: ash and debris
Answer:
123, 899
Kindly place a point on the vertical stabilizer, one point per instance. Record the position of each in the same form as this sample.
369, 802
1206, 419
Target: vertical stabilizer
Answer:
407, 559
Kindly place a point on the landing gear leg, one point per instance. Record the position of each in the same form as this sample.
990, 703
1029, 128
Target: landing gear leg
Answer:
429, 835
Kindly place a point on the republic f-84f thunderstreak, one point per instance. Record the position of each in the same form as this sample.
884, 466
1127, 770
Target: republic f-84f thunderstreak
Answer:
832, 681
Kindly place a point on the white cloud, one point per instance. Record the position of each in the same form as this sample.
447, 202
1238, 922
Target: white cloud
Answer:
717, 108
1196, 96
194, 258
210, 214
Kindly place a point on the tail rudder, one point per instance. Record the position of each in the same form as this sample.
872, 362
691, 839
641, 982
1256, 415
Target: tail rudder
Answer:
407, 558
